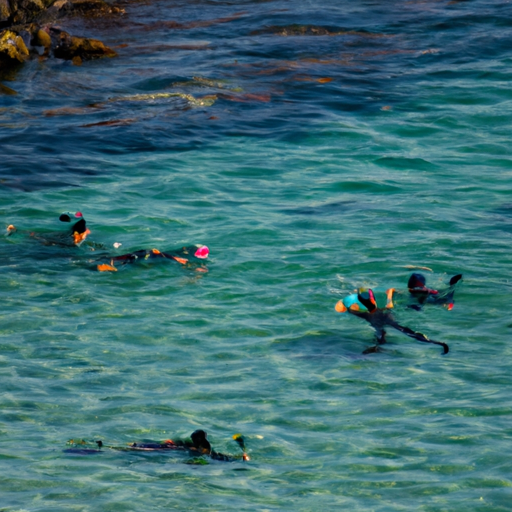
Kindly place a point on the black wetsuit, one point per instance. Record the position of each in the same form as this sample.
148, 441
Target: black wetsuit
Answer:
74, 237
190, 255
198, 446
421, 294
379, 318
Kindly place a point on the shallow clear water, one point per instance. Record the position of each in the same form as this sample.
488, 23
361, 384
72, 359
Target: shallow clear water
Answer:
326, 162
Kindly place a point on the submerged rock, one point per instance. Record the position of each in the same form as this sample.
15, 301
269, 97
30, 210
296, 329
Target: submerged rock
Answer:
295, 30
311, 30
204, 101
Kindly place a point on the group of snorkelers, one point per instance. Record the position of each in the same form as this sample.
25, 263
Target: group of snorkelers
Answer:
373, 305
192, 256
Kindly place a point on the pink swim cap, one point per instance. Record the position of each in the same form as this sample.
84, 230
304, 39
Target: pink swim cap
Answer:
202, 252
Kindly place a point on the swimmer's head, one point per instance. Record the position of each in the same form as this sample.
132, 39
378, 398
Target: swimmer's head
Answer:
418, 287
79, 229
202, 252
416, 281
69, 216
367, 299
199, 439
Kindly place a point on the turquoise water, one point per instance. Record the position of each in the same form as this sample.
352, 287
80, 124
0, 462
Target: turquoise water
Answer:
326, 162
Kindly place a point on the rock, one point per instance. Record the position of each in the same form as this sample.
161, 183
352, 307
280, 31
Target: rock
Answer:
68, 47
41, 38
94, 8
7, 91
5, 11
27, 20
12, 49
25, 11
82, 8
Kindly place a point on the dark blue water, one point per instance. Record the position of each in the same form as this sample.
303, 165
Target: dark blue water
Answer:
315, 148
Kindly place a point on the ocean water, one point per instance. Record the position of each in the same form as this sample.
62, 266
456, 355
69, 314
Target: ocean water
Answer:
315, 147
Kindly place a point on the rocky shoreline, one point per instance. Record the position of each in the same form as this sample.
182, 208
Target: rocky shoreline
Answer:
28, 30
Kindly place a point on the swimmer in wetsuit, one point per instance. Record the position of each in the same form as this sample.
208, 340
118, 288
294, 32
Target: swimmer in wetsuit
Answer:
376, 308
79, 230
197, 446
421, 294
193, 255
74, 237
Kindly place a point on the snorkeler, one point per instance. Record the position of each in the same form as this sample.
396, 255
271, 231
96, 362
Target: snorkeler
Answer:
197, 446
186, 256
375, 308
424, 295
73, 237
79, 229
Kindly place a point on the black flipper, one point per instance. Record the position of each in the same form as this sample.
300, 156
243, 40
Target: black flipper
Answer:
445, 297
455, 279
418, 336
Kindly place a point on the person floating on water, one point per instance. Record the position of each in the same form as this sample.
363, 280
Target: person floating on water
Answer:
375, 307
198, 445
424, 295
186, 256
75, 236
79, 230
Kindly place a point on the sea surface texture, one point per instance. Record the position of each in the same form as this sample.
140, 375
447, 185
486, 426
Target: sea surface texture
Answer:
315, 148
